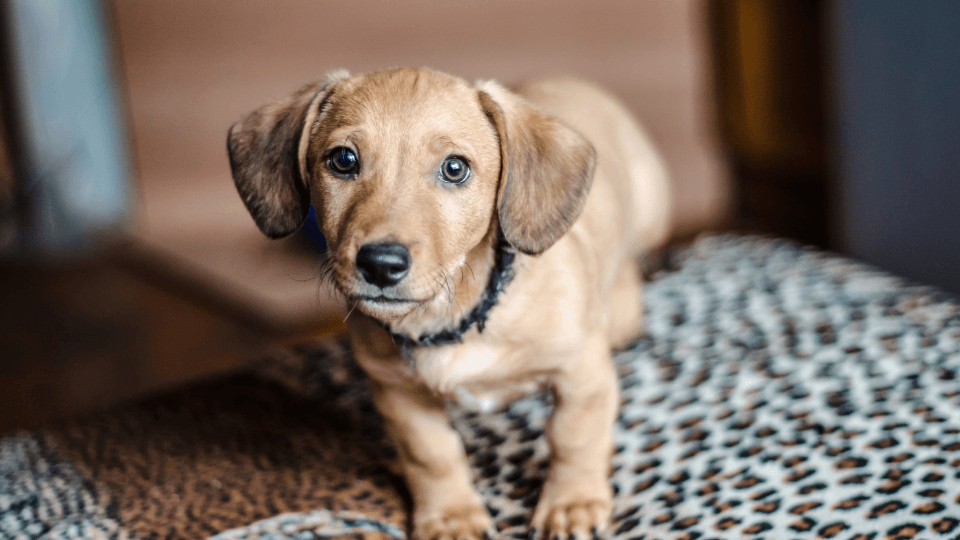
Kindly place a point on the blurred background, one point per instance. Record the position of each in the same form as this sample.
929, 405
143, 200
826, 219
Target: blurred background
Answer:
129, 265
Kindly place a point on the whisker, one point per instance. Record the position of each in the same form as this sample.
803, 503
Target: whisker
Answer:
442, 282
351, 311
435, 276
451, 298
445, 284
459, 307
325, 277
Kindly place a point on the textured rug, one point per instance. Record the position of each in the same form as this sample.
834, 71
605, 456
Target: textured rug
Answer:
781, 393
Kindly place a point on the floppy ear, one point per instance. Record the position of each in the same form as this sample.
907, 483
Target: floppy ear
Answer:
267, 152
546, 170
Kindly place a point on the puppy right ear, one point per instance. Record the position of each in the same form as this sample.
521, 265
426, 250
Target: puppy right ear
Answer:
546, 170
267, 152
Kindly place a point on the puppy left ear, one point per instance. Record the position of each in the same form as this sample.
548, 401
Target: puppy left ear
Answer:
267, 152
546, 170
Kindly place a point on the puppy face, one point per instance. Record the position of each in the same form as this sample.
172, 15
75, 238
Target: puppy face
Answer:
410, 171
404, 168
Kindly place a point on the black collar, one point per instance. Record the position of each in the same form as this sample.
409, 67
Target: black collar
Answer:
500, 275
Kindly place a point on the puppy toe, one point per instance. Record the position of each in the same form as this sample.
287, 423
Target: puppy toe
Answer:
577, 520
464, 523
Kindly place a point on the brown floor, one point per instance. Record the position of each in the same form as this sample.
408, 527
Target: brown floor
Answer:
78, 337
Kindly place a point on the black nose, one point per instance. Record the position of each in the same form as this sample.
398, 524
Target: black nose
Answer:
383, 264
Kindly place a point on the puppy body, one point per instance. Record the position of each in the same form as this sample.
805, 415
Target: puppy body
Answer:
562, 174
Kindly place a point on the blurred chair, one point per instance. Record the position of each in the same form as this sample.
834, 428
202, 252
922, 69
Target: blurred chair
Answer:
67, 183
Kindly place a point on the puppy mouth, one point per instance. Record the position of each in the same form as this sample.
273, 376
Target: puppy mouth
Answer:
382, 299
384, 307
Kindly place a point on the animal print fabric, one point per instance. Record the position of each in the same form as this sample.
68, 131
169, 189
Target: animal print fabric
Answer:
44, 496
780, 393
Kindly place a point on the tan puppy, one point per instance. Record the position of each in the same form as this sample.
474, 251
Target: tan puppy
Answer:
487, 240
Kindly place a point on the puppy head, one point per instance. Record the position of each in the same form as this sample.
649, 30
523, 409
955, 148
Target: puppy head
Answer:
410, 172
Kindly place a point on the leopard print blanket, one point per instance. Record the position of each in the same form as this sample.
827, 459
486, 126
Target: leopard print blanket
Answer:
781, 392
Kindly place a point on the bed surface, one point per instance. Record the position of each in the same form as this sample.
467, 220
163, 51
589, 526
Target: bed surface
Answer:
781, 392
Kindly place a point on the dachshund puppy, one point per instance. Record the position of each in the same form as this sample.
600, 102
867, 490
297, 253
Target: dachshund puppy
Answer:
486, 243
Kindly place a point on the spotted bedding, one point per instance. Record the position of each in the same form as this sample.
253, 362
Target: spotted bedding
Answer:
781, 393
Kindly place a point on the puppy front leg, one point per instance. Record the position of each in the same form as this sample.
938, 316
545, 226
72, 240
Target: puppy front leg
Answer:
576, 497
433, 461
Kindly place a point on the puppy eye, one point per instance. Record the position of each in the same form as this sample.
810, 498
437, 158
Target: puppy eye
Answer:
343, 162
454, 170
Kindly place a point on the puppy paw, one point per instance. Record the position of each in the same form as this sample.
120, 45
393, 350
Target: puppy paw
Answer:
578, 519
455, 523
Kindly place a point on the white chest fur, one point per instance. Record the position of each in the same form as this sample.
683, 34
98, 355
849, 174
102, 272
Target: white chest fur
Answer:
478, 376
